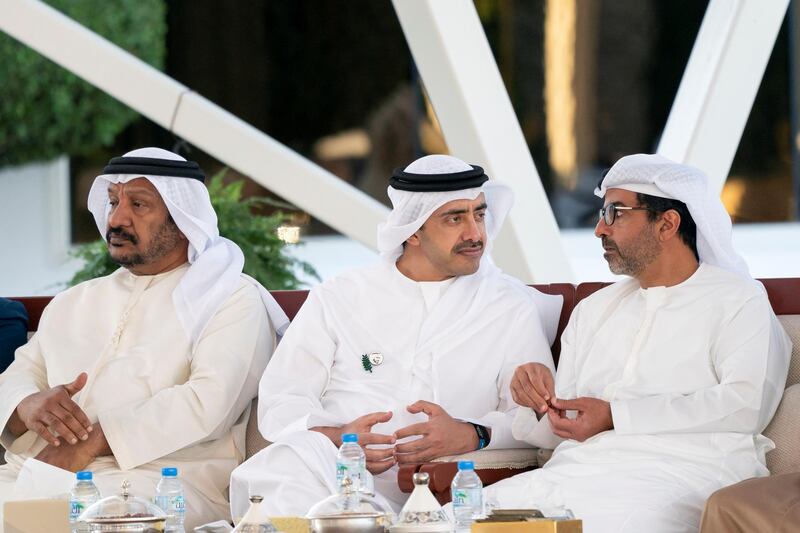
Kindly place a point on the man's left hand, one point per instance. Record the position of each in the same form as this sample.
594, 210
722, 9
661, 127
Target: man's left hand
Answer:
78, 456
440, 435
594, 416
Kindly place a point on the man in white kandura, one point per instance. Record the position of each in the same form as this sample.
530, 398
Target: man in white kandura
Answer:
665, 380
154, 365
421, 345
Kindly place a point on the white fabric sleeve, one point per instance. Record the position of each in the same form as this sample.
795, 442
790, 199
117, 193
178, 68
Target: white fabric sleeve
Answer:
25, 376
296, 377
223, 379
740, 355
527, 425
526, 342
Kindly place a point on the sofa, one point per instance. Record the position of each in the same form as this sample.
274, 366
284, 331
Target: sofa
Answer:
494, 465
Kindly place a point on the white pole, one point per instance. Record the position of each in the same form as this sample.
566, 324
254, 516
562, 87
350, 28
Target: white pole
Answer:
720, 83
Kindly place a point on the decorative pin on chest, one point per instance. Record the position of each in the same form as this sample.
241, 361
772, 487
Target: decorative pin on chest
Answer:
370, 360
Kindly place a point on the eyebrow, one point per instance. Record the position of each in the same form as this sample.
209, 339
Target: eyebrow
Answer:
462, 211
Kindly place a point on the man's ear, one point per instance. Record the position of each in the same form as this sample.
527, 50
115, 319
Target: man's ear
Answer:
413, 240
669, 223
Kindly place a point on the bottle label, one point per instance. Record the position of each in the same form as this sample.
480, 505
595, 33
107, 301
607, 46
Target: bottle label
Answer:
344, 470
75, 509
467, 499
172, 505
179, 504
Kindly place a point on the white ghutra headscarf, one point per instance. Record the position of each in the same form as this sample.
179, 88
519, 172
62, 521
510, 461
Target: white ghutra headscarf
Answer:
410, 209
432, 181
656, 175
216, 263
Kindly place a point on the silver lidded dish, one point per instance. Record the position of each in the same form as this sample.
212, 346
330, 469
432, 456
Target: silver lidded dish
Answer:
123, 512
350, 511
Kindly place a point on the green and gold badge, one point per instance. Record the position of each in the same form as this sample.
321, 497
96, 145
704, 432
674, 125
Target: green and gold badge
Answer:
370, 360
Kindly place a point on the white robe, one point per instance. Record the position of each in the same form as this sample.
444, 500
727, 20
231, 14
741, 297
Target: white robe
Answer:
159, 404
459, 351
693, 372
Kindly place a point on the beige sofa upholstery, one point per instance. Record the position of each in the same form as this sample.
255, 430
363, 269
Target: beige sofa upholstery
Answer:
784, 429
254, 442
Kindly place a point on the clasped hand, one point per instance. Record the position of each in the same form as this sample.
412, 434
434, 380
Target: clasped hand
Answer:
533, 386
440, 435
77, 457
52, 413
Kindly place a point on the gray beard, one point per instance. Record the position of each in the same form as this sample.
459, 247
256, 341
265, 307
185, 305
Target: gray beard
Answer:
164, 241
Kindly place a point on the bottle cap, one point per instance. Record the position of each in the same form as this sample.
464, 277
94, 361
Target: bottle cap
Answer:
84, 475
169, 472
466, 465
349, 437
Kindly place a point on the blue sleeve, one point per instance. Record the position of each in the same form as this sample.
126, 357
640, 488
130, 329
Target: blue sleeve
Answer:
13, 330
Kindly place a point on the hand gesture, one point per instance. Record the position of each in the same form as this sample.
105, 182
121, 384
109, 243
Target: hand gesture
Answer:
378, 460
532, 386
52, 412
441, 435
594, 416
77, 457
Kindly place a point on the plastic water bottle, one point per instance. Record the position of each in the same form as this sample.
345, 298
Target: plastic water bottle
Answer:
351, 462
169, 496
83, 494
467, 493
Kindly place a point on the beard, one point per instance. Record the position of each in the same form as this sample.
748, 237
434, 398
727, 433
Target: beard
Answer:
166, 238
632, 259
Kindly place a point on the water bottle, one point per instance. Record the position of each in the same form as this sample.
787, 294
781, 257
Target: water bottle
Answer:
467, 494
83, 494
351, 462
169, 496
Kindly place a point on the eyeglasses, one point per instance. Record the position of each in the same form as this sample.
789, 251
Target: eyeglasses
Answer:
608, 214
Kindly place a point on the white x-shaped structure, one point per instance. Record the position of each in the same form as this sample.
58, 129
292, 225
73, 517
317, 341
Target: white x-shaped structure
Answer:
453, 56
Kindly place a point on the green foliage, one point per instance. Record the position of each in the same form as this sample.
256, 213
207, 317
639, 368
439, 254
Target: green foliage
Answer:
265, 255
96, 261
46, 110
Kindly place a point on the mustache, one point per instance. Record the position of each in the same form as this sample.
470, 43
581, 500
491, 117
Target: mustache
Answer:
609, 244
121, 234
468, 245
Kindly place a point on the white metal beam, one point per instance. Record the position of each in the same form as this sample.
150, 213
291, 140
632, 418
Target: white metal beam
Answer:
453, 56
206, 125
720, 83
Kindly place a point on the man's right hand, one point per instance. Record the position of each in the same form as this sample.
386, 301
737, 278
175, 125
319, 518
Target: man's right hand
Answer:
533, 386
53, 411
378, 460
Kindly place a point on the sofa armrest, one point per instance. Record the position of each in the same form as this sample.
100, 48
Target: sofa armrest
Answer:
515, 458
490, 465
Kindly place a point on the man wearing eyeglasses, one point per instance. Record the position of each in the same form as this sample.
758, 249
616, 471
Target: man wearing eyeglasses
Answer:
667, 379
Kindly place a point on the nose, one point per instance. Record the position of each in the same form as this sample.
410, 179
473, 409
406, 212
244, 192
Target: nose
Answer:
120, 214
601, 228
472, 231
